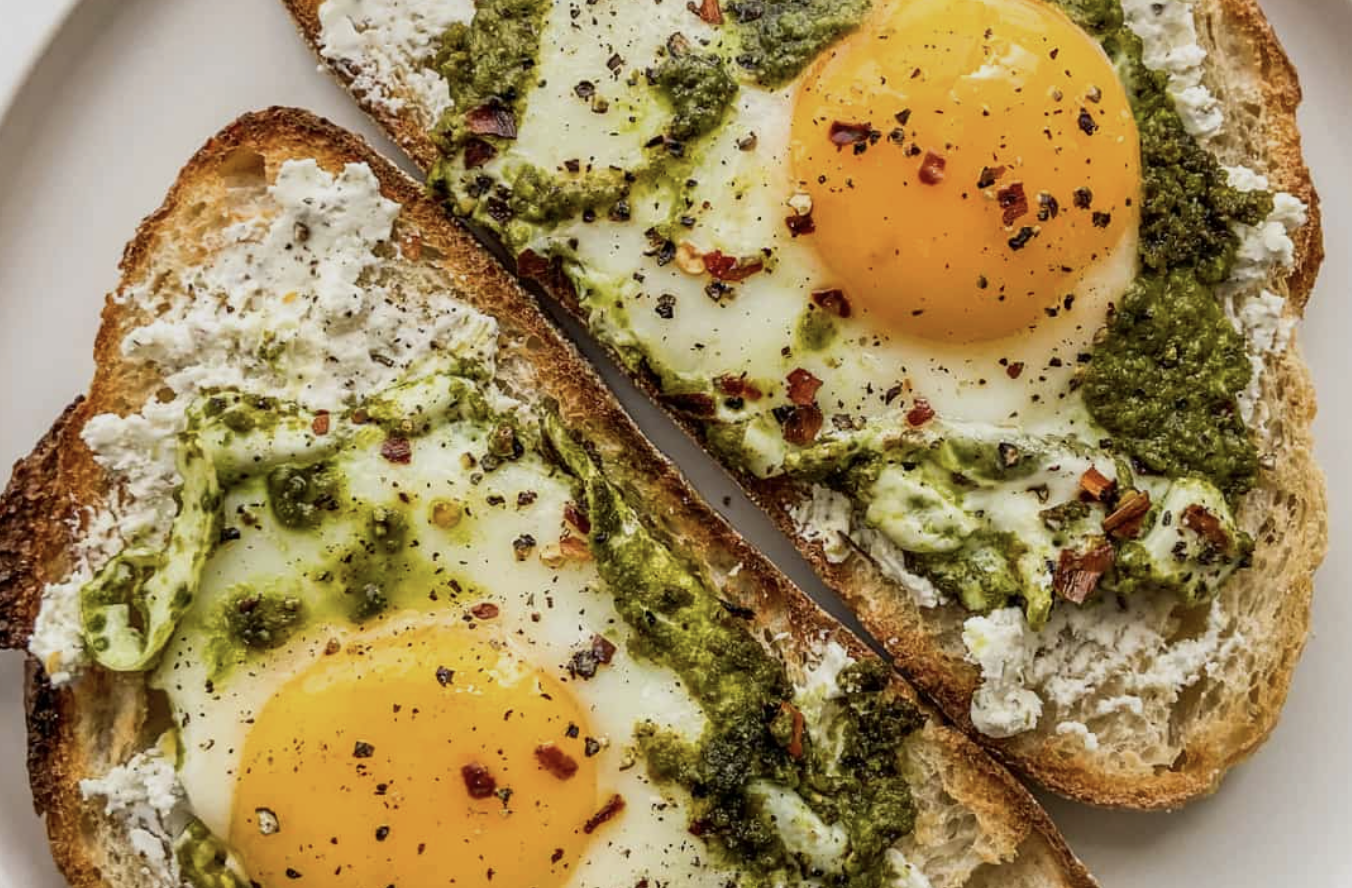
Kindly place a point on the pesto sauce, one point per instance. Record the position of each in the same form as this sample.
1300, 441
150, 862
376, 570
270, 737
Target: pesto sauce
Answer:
680, 622
700, 90
205, 861
1163, 382
490, 61
261, 620
300, 496
1169, 345
780, 38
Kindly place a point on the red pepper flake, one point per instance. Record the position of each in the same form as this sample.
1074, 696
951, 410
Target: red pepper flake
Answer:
803, 387
803, 424
1077, 573
397, 449
574, 547
833, 301
1013, 201
584, 663
320, 424
920, 413
478, 781
795, 746
708, 11
842, 134
729, 268
485, 610
932, 169
613, 806
1096, 485
1199, 519
1125, 521
800, 223
576, 517
554, 760
603, 649
1014, 370
738, 387
492, 119
478, 152
359, 417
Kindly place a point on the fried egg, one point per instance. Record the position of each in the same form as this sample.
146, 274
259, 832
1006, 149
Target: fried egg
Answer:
943, 205
457, 732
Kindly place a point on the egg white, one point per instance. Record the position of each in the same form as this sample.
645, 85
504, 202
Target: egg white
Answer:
546, 613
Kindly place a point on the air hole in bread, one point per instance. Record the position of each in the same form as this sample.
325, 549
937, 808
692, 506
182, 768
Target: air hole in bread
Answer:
243, 168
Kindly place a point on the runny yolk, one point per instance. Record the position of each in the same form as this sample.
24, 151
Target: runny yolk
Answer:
427, 758
968, 161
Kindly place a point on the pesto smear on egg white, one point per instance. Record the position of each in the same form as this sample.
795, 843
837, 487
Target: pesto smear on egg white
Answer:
1159, 387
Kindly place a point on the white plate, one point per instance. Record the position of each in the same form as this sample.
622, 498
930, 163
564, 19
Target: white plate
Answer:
130, 88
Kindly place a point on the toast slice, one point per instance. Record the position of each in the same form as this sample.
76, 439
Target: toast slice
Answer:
975, 826
1178, 746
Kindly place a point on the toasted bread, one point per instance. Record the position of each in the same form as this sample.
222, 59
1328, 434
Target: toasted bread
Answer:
1174, 750
976, 825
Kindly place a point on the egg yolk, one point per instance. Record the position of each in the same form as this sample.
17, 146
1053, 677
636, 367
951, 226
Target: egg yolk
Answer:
426, 758
968, 161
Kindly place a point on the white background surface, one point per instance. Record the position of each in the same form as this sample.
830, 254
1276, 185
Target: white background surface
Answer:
130, 88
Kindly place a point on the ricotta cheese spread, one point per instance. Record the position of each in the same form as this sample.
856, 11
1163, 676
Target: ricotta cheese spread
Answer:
291, 307
1257, 313
142, 794
384, 43
1089, 662
1168, 33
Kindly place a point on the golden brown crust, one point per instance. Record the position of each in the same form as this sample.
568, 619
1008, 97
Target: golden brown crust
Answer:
1250, 42
69, 726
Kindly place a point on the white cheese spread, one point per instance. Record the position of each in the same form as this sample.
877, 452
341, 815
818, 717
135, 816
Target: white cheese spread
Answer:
387, 46
142, 794
1168, 35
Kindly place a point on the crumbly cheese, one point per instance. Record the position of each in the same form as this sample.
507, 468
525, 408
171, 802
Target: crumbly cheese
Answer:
1081, 730
1256, 312
1268, 244
1168, 33
387, 45
290, 306
1001, 645
142, 794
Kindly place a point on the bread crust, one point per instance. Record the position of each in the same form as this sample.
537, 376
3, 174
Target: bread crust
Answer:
1253, 50
82, 729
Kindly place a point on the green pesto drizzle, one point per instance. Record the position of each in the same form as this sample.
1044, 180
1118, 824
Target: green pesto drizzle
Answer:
781, 37
700, 90
678, 621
